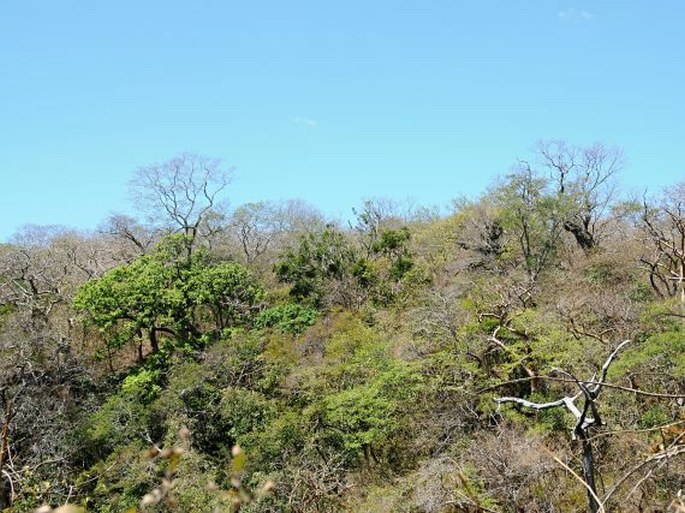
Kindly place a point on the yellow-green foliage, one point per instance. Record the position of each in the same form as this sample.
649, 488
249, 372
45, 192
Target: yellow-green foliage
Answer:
365, 383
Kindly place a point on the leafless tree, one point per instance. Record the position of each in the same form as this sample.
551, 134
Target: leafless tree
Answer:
7, 417
587, 417
132, 238
36, 270
256, 226
39, 399
301, 217
263, 228
584, 177
663, 230
40, 373
181, 191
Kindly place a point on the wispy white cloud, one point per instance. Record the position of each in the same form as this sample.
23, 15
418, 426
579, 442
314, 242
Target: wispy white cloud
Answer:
574, 15
311, 123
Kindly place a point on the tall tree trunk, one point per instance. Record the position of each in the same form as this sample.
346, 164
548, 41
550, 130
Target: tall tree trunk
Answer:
582, 234
154, 343
589, 473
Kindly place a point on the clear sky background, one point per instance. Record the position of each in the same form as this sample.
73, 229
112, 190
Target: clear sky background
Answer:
328, 101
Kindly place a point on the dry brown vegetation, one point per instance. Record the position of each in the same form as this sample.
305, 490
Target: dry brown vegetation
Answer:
356, 367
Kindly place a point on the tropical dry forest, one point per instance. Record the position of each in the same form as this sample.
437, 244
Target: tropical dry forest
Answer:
523, 352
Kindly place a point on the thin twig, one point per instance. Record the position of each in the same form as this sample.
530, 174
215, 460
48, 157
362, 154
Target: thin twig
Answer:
582, 481
636, 431
669, 453
607, 363
591, 382
11, 482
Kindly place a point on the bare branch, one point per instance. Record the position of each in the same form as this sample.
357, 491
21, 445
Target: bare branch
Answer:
665, 454
583, 422
186, 188
589, 382
582, 481
530, 404
605, 367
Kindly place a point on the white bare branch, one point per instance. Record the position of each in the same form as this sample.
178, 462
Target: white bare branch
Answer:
530, 404
605, 367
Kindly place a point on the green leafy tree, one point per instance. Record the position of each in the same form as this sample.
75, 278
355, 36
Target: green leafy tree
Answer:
393, 244
319, 268
165, 293
144, 297
327, 268
227, 290
532, 216
287, 318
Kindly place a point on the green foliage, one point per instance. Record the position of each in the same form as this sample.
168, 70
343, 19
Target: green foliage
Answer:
244, 411
361, 416
163, 293
394, 245
388, 271
321, 257
6, 309
533, 215
655, 416
327, 269
641, 293
364, 417
147, 294
604, 273
367, 384
278, 441
142, 386
121, 420
657, 358
354, 400
191, 398
228, 290
118, 482
287, 318
126, 416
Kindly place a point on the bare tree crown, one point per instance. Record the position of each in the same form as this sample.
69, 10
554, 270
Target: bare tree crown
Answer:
182, 190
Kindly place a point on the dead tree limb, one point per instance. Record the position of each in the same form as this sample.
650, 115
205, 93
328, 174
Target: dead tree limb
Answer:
587, 416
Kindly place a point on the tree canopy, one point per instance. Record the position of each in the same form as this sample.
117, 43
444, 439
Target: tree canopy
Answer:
164, 293
266, 359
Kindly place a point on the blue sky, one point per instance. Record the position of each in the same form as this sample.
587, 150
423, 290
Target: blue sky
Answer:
326, 101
